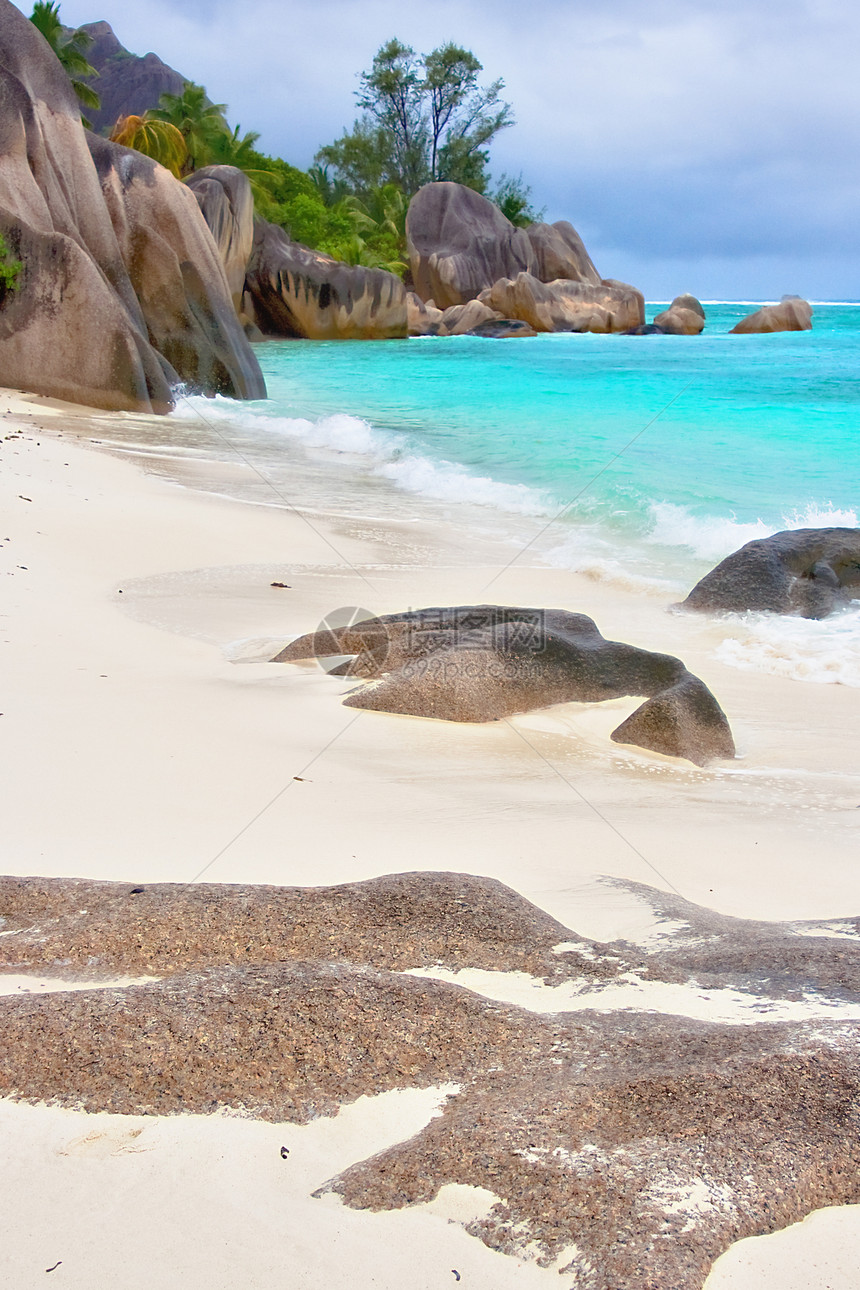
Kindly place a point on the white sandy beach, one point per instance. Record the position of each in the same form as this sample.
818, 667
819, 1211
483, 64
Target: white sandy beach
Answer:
145, 738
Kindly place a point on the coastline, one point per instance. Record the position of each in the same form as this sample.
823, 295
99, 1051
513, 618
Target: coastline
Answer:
147, 739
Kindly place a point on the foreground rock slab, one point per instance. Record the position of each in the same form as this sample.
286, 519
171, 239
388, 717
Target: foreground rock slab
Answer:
649, 1142
807, 572
488, 662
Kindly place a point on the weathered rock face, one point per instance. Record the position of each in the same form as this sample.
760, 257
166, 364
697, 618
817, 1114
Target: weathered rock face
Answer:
293, 291
176, 273
225, 199
487, 662
807, 572
567, 306
560, 253
791, 314
73, 327
684, 317
462, 248
459, 243
422, 317
126, 84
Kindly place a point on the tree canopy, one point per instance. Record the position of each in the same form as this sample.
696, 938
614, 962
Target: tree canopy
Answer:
424, 117
70, 47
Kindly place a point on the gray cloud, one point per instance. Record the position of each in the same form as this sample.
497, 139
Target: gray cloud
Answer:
678, 135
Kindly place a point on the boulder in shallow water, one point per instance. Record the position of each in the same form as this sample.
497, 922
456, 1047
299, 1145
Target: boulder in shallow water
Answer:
807, 572
460, 319
297, 292
791, 314
684, 317
567, 306
488, 662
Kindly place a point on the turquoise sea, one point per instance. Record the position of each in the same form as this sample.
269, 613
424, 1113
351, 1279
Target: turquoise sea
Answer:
653, 456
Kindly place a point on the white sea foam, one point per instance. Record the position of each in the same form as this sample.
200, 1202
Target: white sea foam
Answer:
826, 652
713, 537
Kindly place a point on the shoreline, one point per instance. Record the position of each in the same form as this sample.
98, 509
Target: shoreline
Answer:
148, 740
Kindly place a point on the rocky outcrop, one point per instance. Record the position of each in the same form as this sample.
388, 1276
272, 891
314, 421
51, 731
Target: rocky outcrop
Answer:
460, 243
565, 305
791, 314
807, 572
684, 317
73, 327
293, 291
641, 1143
227, 204
487, 662
422, 317
460, 319
127, 84
176, 273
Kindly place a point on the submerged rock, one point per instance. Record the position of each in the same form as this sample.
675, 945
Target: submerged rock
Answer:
293, 291
791, 314
487, 662
807, 572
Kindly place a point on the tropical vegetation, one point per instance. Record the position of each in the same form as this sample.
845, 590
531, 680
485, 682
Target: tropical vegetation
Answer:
71, 48
423, 118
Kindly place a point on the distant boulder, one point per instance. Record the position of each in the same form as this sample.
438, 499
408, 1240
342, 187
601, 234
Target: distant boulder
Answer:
684, 317
176, 273
460, 319
567, 306
502, 329
791, 314
488, 662
225, 199
293, 291
126, 83
560, 252
807, 572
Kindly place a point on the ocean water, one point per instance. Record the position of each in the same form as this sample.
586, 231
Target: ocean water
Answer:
645, 459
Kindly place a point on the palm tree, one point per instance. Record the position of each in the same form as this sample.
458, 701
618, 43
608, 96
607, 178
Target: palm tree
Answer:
157, 139
201, 123
71, 49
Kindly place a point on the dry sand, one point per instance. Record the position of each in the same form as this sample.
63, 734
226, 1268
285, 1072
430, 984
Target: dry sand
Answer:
144, 737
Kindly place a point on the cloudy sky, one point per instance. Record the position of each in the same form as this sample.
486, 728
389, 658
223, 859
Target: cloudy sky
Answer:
701, 145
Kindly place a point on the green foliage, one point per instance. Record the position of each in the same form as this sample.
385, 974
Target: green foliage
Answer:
201, 123
425, 117
10, 270
71, 48
157, 139
513, 199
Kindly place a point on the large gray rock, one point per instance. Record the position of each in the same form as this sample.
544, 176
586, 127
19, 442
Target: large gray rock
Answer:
176, 273
291, 290
791, 314
487, 662
684, 317
807, 572
227, 204
565, 305
127, 83
460, 243
73, 327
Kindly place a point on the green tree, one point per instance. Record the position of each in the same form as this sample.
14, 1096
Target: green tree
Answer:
157, 139
71, 48
513, 199
423, 118
10, 270
202, 124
